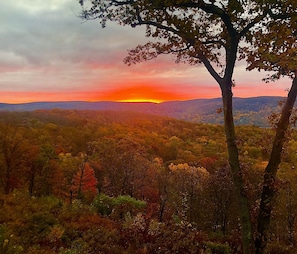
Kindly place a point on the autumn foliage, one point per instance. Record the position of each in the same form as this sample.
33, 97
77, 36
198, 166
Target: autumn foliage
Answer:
107, 182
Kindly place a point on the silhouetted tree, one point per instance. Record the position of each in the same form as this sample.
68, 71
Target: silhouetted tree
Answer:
207, 32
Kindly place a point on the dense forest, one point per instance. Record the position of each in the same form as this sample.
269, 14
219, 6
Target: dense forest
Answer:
75, 181
251, 111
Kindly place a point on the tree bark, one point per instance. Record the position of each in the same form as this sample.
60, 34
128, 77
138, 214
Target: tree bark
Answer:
246, 225
269, 184
233, 157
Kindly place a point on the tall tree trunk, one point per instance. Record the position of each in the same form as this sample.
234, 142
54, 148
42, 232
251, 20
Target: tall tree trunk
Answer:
269, 183
246, 225
82, 169
227, 96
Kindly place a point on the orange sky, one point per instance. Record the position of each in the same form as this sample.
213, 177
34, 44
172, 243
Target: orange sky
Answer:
130, 93
152, 93
49, 54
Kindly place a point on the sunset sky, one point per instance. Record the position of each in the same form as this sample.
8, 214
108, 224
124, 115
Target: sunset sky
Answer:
48, 54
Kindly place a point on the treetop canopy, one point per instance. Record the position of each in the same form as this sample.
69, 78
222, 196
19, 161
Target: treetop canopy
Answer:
195, 31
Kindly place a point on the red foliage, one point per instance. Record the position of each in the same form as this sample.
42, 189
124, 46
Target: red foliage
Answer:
84, 181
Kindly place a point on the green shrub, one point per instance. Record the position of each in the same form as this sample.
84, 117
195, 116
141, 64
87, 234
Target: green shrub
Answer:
103, 204
118, 206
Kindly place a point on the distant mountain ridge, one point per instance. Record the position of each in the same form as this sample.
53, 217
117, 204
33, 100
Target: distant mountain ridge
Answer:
249, 111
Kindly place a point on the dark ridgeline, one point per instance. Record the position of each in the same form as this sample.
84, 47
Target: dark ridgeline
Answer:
248, 111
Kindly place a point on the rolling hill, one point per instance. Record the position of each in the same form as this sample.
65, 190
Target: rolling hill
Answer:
247, 111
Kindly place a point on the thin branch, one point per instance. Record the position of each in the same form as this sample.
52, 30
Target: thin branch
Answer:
281, 16
251, 24
119, 3
212, 9
174, 50
155, 24
220, 42
210, 68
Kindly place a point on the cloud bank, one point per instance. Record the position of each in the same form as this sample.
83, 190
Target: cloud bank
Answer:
48, 53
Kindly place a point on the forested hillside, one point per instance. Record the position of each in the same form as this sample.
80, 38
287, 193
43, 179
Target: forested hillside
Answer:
248, 111
77, 181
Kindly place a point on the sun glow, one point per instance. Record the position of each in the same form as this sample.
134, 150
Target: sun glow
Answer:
140, 93
141, 100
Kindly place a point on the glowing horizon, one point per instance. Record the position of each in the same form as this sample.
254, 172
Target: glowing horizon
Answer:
154, 94
141, 100
60, 59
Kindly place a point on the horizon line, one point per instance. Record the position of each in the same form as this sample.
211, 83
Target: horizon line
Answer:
132, 101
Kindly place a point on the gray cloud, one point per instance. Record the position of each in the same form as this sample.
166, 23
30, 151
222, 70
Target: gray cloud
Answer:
48, 36
45, 46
